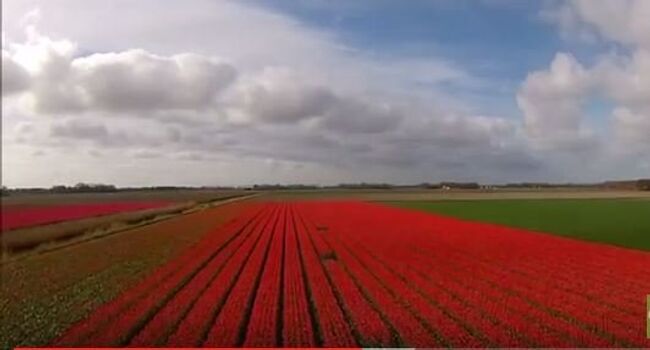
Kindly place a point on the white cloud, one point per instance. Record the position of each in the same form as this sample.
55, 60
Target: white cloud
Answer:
124, 134
229, 100
349, 115
133, 80
552, 102
138, 80
626, 79
79, 129
624, 21
279, 95
15, 78
146, 154
632, 128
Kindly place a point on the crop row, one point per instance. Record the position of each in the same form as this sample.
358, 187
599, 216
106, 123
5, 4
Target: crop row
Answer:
344, 274
412, 244
20, 217
106, 324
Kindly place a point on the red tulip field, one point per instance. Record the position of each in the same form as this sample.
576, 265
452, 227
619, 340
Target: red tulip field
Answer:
27, 216
347, 274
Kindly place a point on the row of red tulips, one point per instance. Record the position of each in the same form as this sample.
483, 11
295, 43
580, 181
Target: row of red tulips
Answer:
297, 328
26, 216
170, 315
334, 330
414, 268
485, 253
348, 274
111, 323
197, 322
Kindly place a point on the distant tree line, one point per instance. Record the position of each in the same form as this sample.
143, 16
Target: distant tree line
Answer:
364, 185
545, 185
268, 187
641, 184
177, 188
83, 188
104, 188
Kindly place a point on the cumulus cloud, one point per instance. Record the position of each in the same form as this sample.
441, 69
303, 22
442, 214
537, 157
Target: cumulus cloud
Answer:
287, 97
633, 128
128, 81
552, 102
136, 80
278, 95
79, 129
453, 133
359, 116
282, 96
69, 133
146, 154
14, 77
278, 112
626, 79
478, 132
624, 21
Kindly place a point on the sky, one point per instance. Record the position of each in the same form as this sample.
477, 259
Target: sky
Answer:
216, 92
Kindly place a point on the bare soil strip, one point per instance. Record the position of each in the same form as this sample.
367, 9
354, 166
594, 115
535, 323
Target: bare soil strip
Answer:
17, 244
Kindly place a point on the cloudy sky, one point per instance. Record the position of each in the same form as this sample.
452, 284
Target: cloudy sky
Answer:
215, 92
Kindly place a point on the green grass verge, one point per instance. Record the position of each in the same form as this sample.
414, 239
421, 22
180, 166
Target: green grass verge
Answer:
621, 222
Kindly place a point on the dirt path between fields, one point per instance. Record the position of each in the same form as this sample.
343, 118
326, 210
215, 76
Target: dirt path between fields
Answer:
22, 243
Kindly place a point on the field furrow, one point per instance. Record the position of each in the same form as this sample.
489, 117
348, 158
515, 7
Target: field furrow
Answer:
470, 316
229, 327
198, 320
371, 329
410, 329
297, 329
333, 328
513, 313
547, 299
265, 324
106, 325
538, 311
165, 320
345, 274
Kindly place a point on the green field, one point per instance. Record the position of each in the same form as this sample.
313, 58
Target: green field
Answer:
622, 222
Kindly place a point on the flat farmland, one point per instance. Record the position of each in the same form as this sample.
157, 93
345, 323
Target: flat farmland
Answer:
352, 273
27, 216
43, 294
16, 200
420, 194
618, 221
32, 221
